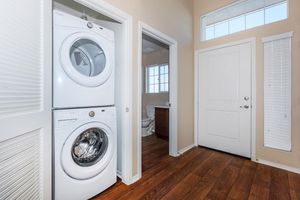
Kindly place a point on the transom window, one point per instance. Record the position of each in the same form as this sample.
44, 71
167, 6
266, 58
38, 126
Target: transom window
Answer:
157, 78
241, 16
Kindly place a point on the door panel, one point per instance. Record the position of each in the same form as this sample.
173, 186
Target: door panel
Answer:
227, 126
25, 99
20, 167
224, 84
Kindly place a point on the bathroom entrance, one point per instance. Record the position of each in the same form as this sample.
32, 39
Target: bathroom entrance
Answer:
155, 100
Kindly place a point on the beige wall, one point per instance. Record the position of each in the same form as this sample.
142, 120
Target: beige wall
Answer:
158, 99
292, 24
174, 18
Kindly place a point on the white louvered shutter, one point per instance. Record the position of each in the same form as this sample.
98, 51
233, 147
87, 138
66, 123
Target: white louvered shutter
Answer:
277, 92
25, 99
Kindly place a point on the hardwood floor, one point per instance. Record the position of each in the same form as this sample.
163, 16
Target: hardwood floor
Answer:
203, 174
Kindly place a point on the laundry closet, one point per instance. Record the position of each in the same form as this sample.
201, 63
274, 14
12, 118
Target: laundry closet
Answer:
87, 107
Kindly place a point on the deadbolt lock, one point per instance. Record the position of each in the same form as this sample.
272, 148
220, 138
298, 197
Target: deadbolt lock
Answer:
245, 106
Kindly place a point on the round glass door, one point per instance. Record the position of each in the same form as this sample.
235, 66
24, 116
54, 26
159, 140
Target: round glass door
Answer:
88, 150
87, 57
89, 147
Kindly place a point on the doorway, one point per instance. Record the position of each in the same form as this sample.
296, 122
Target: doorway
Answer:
165, 85
155, 100
225, 98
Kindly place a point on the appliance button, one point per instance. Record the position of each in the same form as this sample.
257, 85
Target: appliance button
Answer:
90, 25
92, 114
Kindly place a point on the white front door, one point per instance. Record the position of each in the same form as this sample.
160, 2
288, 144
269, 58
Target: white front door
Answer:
25, 99
225, 99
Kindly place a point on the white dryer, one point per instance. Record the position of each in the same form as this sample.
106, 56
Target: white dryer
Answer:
83, 63
84, 152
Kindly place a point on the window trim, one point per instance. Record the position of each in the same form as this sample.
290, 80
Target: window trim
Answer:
146, 88
203, 27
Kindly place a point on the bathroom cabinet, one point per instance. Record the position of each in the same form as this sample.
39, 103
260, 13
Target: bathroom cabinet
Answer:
162, 122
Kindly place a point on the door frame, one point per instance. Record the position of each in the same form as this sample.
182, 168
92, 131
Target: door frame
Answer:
125, 19
173, 47
252, 42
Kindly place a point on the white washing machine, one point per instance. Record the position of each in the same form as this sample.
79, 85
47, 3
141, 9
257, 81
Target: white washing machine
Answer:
83, 63
85, 162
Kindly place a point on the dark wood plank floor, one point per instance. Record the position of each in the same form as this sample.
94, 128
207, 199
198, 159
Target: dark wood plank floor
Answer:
203, 174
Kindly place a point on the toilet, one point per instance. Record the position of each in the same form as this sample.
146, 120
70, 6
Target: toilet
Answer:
148, 123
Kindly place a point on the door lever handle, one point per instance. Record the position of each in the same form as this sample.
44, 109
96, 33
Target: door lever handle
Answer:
245, 106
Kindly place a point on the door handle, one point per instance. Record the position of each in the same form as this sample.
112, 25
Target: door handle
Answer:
245, 106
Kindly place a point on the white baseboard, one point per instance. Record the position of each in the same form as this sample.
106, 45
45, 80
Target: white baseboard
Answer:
185, 149
175, 155
131, 180
135, 178
280, 166
119, 174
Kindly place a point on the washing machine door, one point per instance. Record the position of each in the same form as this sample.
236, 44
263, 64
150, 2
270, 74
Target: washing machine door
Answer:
87, 58
87, 151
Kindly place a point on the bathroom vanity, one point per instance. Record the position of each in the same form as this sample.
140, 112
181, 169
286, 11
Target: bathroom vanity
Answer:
162, 122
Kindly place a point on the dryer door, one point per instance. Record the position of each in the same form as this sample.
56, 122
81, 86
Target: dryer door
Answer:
88, 150
87, 58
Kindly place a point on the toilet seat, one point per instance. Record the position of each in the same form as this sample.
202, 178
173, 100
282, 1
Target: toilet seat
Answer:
146, 122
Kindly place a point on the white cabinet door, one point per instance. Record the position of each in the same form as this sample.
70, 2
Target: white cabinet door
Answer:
25, 99
225, 99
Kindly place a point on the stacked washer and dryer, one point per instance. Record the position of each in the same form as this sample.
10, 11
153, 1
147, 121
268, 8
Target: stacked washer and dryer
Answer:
84, 115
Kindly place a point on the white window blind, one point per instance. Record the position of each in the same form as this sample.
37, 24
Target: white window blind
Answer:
277, 91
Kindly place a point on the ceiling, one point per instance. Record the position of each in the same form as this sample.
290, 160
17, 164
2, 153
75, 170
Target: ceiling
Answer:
71, 4
151, 45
